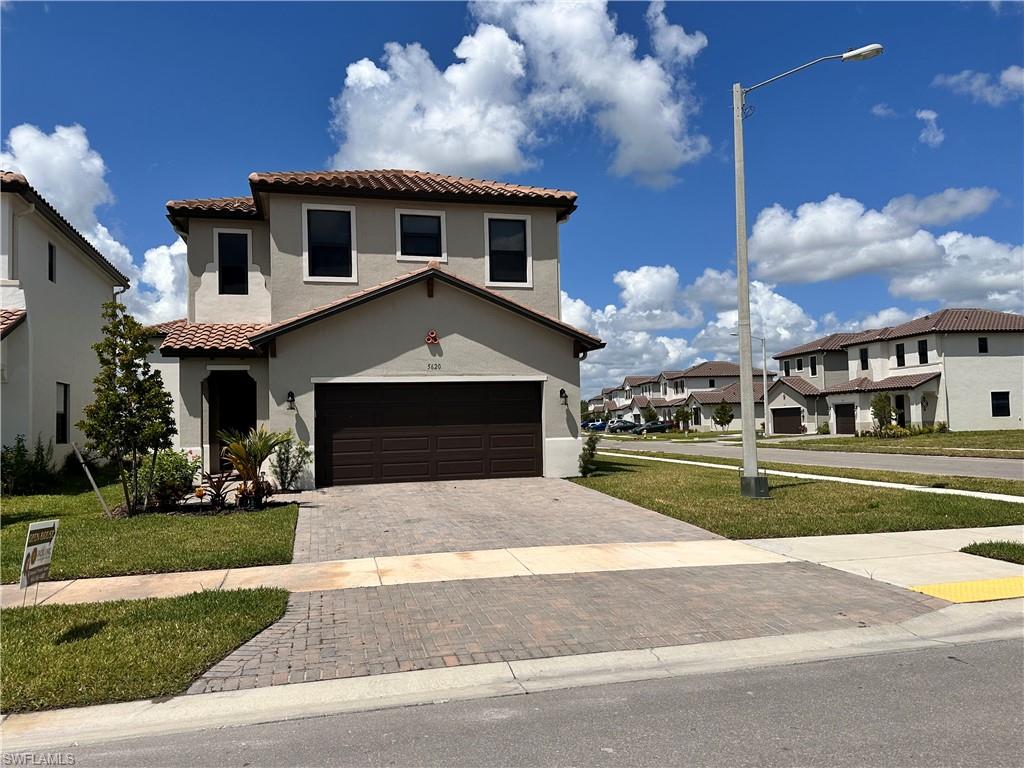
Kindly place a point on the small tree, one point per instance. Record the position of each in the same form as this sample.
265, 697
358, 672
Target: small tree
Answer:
587, 465
649, 414
131, 418
881, 410
683, 416
584, 411
722, 415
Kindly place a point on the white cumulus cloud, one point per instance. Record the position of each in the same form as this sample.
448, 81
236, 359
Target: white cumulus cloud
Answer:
71, 175
983, 88
931, 134
527, 66
883, 110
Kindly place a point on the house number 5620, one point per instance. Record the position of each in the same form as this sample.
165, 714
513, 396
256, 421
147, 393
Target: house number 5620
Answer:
433, 366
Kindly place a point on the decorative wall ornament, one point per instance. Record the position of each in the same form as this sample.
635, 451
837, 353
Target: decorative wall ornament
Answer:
432, 337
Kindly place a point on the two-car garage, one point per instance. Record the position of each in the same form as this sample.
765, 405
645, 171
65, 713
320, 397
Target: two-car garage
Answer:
397, 432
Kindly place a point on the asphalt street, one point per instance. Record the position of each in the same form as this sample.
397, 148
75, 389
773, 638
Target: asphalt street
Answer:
1008, 469
956, 706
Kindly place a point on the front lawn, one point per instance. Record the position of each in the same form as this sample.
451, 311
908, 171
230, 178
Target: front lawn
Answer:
1010, 551
96, 653
90, 544
959, 482
710, 498
997, 444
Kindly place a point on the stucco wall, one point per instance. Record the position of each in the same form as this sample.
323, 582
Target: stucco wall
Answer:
205, 303
969, 379
376, 244
56, 338
168, 368
385, 338
813, 410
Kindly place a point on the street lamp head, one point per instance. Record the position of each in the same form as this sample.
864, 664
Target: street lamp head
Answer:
864, 53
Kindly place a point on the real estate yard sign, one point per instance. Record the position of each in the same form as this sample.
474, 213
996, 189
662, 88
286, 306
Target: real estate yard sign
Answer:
35, 566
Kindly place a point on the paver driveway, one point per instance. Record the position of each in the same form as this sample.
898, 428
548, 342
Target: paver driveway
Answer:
400, 627
455, 516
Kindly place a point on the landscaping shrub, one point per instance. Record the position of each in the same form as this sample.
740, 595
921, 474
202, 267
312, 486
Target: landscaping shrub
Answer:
722, 415
823, 428
289, 461
587, 463
941, 427
215, 489
174, 477
24, 472
247, 453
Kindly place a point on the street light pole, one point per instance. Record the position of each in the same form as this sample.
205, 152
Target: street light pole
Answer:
753, 484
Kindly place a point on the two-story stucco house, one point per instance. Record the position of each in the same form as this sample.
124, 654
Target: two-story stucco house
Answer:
964, 367
406, 325
53, 283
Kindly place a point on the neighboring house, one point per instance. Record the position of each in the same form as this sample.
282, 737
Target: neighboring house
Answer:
964, 367
406, 325
53, 284
702, 405
668, 390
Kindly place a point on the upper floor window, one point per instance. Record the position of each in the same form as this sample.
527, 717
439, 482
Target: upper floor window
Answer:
1000, 403
51, 262
785, 367
901, 356
799, 363
329, 243
508, 257
421, 235
922, 351
61, 427
232, 254
814, 365
711, 382
863, 358
983, 345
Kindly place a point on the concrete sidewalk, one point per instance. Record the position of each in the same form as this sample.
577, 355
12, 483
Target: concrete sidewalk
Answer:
966, 466
929, 562
406, 569
945, 628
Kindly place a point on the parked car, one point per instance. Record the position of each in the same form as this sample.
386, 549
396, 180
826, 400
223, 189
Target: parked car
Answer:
651, 426
621, 425
597, 426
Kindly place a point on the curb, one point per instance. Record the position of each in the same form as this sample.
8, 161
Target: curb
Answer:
950, 626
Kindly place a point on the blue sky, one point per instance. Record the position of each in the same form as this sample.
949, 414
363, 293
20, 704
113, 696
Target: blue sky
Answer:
183, 100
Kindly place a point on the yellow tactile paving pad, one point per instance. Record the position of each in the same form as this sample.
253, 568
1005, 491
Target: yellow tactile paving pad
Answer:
975, 591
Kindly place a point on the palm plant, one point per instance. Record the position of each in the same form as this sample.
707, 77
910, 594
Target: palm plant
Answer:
246, 453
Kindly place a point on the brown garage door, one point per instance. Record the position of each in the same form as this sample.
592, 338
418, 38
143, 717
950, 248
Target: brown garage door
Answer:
786, 421
387, 433
846, 419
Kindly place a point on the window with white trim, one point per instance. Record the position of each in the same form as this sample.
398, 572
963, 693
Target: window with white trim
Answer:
61, 436
420, 235
814, 365
1000, 403
232, 252
507, 250
329, 251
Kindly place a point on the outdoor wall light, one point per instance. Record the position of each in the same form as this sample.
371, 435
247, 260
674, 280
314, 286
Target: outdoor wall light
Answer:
564, 396
291, 401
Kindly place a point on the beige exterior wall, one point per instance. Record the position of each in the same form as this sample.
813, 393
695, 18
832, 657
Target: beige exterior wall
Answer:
813, 411
969, 378
54, 343
169, 372
205, 304
384, 340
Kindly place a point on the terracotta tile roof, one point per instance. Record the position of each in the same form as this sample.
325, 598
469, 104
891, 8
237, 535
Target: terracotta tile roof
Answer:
864, 384
958, 321
673, 374
228, 207
387, 183
162, 329
713, 368
10, 319
798, 383
830, 343
430, 270
729, 394
213, 338
635, 381
18, 184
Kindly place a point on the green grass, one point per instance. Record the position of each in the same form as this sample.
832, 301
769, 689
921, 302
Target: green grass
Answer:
1010, 551
999, 444
90, 544
710, 498
96, 653
984, 484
